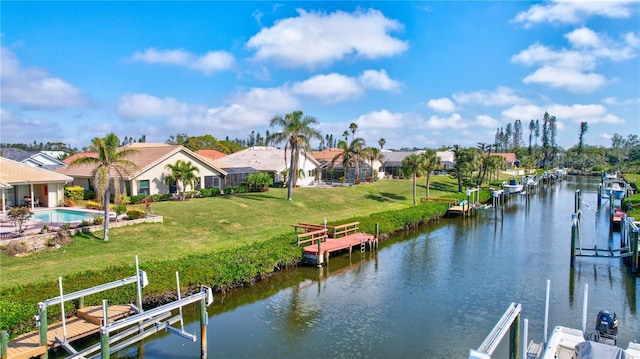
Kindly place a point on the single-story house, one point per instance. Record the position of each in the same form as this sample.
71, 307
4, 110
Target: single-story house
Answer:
333, 173
39, 159
149, 177
446, 159
510, 157
213, 154
272, 160
393, 162
22, 184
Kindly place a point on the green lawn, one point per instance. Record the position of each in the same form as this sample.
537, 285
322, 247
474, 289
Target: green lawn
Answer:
215, 223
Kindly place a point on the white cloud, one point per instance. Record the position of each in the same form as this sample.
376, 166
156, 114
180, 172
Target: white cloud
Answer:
593, 114
443, 105
35, 88
615, 101
243, 111
439, 123
316, 38
134, 106
214, 61
573, 69
572, 80
502, 96
573, 12
381, 119
523, 112
331, 88
487, 121
379, 80
208, 63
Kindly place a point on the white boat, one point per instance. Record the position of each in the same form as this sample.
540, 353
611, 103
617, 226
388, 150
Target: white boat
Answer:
570, 343
512, 187
614, 188
532, 180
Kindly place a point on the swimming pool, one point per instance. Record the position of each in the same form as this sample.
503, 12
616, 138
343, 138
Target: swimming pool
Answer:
65, 215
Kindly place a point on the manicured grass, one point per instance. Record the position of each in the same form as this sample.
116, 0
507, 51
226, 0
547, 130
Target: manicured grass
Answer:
215, 223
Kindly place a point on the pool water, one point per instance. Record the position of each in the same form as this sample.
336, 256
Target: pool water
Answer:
64, 215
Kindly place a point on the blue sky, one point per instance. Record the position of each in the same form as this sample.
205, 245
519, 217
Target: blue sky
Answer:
421, 74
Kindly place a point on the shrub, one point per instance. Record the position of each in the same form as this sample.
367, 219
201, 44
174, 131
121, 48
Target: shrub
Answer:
278, 184
135, 214
192, 194
259, 181
89, 195
98, 220
123, 199
14, 248
66, 226
92, 205
137, 198
85, 223
121, 209
74, 193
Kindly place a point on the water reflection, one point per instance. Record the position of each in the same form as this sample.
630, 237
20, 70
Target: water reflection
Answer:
432, 293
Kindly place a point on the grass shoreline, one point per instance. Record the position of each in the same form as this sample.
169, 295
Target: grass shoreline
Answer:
231, 261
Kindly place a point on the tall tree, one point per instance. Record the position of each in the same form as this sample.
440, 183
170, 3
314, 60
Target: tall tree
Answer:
297, 134
382, 142
350, 155
506, 139
345, 134
411, 166
110, 161
457, 161
431, 162
532, 127
584, 127
517, 134
181, 172
353, 127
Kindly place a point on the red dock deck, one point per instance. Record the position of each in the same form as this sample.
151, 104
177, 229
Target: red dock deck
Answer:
320, 241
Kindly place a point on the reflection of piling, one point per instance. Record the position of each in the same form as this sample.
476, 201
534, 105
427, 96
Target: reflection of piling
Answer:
599, 195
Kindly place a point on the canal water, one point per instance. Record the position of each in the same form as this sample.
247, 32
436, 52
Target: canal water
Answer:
432, 293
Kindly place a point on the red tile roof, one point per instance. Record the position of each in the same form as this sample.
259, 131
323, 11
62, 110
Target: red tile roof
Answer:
213, 154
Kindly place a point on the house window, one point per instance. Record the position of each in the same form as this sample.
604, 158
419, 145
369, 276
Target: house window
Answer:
143, 187
211, 182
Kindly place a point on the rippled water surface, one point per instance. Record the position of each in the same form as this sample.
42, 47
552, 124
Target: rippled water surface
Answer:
434, 293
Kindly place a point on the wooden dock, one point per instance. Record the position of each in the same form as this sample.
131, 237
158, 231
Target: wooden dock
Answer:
87, 322
320, 241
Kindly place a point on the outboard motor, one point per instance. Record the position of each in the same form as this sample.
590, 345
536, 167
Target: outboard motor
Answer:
607, 326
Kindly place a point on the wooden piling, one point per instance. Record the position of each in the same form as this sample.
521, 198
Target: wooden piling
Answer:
574, 232
599, 195
4, 337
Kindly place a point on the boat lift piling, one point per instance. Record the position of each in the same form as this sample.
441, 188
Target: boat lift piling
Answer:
509, 322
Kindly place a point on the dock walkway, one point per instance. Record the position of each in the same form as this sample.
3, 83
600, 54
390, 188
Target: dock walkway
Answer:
320, 241
87, 322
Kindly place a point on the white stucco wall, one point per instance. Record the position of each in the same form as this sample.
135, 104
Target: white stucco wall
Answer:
157, 173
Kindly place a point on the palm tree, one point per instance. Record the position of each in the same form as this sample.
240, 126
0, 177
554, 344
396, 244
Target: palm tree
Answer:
373, 154
296, 134
353, 127
181, 172
382, 142
345, 134
431, 162
109, 161
412, 165
350, 155
584, 127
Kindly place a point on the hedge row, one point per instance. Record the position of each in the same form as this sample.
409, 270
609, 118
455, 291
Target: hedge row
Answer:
220, 270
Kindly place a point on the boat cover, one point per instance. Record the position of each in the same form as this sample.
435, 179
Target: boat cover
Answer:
593, 350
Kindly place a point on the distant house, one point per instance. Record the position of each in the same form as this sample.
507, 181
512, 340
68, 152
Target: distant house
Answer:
272, 160
22, 184
393, 162
213, 154
510, 157
446, 159
40, 159
149, 178
329, 172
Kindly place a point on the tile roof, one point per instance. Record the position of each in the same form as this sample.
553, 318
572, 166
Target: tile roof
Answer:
213, 154
261, 158
326, 154
510, 157
15, 173
148, 155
